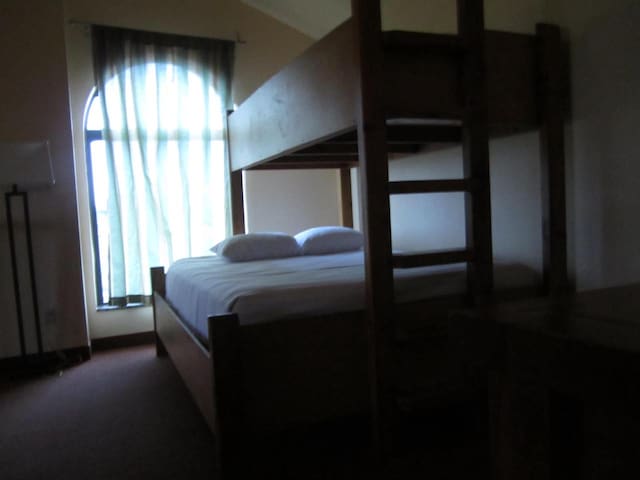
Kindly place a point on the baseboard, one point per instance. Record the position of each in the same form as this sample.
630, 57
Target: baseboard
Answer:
120, 341
45, 364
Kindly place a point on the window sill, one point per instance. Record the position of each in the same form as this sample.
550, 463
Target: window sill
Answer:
111, 308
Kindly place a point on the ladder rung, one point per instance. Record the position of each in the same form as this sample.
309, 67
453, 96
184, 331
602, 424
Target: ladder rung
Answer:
443, 257
431, 186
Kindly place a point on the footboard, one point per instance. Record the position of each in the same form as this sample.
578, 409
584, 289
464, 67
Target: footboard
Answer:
210, 372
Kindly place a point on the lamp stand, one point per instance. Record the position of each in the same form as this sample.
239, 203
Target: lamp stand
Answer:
15, 193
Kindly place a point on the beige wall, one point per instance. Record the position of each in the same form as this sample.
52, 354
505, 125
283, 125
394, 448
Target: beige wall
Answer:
602, 139
35, 106
307, 200
272, 203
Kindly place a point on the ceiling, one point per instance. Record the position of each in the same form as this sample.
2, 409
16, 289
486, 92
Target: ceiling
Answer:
316, 18
312, 17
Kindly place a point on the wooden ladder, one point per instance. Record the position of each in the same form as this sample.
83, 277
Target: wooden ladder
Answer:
375, 190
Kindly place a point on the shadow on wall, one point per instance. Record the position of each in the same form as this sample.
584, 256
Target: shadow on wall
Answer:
437, 221
605, 150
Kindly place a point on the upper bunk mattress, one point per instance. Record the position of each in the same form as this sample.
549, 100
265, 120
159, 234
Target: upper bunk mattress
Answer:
264, 290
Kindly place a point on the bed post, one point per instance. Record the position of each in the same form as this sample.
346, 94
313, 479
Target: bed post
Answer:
237, 202
224, 349
553, 87
157, 288
374, 210
475, 149
236, 189
346, 202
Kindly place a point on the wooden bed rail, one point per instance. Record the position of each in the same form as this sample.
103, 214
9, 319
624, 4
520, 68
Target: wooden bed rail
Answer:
212, 372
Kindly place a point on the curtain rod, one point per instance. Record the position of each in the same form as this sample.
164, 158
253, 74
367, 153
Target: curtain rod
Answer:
73, 21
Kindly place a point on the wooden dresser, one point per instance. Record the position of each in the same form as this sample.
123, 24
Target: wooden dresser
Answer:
565, 387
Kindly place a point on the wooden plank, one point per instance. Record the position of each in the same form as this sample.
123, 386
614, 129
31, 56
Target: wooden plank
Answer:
421, 84
427, 259
423, 134
157, 285
430, 186
226, 380
553, 95
341, 148
189, 356
237, 203
510, 81
375, 210
310, 99
346, 200
412, 134
158, 280
309, 162
475, 148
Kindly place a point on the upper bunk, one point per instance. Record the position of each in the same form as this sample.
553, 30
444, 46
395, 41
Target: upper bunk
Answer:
305, 115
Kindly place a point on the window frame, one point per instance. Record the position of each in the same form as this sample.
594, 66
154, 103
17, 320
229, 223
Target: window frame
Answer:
91, 136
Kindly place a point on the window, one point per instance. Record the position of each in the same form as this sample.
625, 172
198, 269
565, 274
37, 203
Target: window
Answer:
95, 152
156, 152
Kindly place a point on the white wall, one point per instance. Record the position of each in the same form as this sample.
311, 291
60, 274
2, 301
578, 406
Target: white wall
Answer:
604, 153
269, 45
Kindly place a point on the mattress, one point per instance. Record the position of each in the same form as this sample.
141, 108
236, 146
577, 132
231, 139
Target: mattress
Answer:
260, 291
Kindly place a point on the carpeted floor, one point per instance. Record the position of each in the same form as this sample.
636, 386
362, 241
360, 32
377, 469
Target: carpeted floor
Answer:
126, 414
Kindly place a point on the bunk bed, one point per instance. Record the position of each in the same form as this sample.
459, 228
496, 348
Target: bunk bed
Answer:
355, 96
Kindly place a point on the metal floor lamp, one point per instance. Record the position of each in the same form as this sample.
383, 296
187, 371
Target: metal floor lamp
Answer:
24, 166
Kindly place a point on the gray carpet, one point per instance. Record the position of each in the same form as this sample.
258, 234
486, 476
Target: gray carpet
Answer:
126, 414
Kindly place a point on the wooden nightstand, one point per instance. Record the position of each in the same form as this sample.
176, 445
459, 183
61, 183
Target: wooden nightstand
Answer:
565, 387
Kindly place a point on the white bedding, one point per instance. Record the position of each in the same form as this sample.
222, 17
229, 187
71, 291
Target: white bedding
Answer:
262, 290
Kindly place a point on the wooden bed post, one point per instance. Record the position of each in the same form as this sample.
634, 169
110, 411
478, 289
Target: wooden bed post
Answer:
475, 147
375, 210
552, 98
237, 202
346, 201
157, 287
236, 189
224, 350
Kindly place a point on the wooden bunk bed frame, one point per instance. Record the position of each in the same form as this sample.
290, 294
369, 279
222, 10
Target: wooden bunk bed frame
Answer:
355, 96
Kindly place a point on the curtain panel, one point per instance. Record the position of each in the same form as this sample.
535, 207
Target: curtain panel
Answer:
164, 100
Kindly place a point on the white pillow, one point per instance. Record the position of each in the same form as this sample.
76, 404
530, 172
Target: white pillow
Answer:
324, 240
257, 246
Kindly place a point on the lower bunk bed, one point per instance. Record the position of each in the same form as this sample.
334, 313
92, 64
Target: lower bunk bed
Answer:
273, 344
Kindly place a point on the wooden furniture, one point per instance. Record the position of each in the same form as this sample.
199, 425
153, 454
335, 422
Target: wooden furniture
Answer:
565, 389
354, 97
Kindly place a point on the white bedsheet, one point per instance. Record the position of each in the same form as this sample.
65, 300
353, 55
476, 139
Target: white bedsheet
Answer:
307, 285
